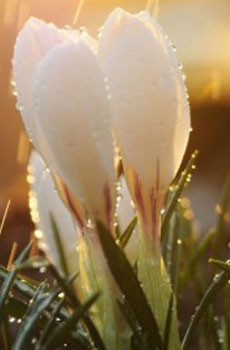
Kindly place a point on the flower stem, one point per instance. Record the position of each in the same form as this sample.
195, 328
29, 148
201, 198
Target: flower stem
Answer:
155, 281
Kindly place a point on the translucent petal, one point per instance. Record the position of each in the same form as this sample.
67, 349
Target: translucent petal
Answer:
44, 198
32, 44
71, 106
148, 97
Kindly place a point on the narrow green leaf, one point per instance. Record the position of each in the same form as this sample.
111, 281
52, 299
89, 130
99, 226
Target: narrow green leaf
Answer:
24, 334
168, 323
179, 188
174, 253
9, 280
72, 298
219, 282
130, 318
129, 285
6, 335
48, 326
61, 333
221, 264
124, 238
34, 263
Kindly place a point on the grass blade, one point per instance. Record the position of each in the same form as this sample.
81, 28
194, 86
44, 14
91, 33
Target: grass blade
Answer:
24, 334
168, 325
124, 238
9, 280
5, 330
219, 282
62, 331
172, 205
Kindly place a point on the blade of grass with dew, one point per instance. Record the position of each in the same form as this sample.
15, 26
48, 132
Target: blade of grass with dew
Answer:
49, 324
25, 333
125, 236
63, 330
64, 284
34, 302
168, 323
5, 330
27, 290
129, 285
217, 285
179, 188
175, 253
8, 282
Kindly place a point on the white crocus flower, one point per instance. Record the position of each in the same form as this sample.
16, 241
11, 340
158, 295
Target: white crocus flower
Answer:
63, 101
151, 121
150, 112
44, 201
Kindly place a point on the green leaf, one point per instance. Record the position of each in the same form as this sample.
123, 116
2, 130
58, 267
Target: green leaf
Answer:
172, 205
9, 280
72, 298
50, 323
174, 253
219, 282
130, 318
24, 334
124, 238
129, 285
5, 330
168, 323
61, 332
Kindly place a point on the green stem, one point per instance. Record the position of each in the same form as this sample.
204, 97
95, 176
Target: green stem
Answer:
154, 278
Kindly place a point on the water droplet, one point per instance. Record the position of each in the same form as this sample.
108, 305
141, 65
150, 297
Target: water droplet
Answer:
42, 269
216, 278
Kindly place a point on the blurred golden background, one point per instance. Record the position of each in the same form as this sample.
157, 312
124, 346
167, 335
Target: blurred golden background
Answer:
200, 29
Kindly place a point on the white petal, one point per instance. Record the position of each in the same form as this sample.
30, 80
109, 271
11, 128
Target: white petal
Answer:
70, 103
44, 199
33, 42
149, 105
125, 209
